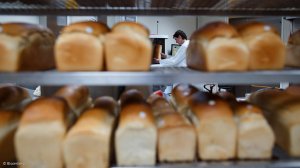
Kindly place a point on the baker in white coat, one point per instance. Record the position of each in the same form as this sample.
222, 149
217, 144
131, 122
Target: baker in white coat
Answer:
179, 59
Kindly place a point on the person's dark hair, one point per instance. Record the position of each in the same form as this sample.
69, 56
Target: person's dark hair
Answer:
180, 33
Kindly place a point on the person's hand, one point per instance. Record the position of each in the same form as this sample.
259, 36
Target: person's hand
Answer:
163, 55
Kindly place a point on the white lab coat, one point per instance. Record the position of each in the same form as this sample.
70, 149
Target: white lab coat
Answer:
179, 59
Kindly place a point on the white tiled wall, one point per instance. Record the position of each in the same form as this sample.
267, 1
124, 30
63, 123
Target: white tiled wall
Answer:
27, 19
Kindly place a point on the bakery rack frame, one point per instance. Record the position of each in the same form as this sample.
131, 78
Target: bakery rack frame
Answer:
152, 7
157, 75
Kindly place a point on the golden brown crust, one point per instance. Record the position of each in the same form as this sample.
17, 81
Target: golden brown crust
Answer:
44, 110
213, 30
203, 105
160, 102
136, 112
293, 90
217, 47
254, 28
26, 47
171, 120
127, 27
106, 103
11, 96
75, 95
195, 56
131, 96
89, 27
267, 51
161, 106
134, 52
242, 108
182, 92
6, 116
90, 120
152, 98
86, 54
19, 29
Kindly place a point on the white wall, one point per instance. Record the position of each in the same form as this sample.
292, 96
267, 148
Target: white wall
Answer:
203, 20
27, 19
168, 25
73, 19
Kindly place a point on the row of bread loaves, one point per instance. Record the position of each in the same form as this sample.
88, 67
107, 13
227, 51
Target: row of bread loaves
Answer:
142, 131
82, 46
282, 111
12, 101
44, 124
225, 129
219, 46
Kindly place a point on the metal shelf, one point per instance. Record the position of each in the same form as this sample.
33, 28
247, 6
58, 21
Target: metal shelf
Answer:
157, 76
151, 7
228, 164
279, 160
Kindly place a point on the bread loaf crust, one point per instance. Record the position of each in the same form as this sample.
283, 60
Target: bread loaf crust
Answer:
213, 118
127, 27
134, 51
26, 47
89, 27
13, 97
176, 138
217, 47
54, 109
89, 140
86, 54
107, 103
267, 51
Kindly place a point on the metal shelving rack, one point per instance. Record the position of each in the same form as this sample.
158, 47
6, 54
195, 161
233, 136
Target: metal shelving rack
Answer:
161, 75
157, 76
151, 7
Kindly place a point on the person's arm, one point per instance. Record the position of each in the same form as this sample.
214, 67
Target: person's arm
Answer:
175, 60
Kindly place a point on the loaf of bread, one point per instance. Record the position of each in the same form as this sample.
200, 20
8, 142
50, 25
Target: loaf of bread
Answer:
9, 121
267, 51
161, 106
176, 138
282, 111
13, 97
80, 47
107, 103
25, 47
180, 96
255, 136
131, 96
12, 100
217, 47
40, 134
128, 48
136, 135
215, 126
77, 97
88, 142
293, 50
